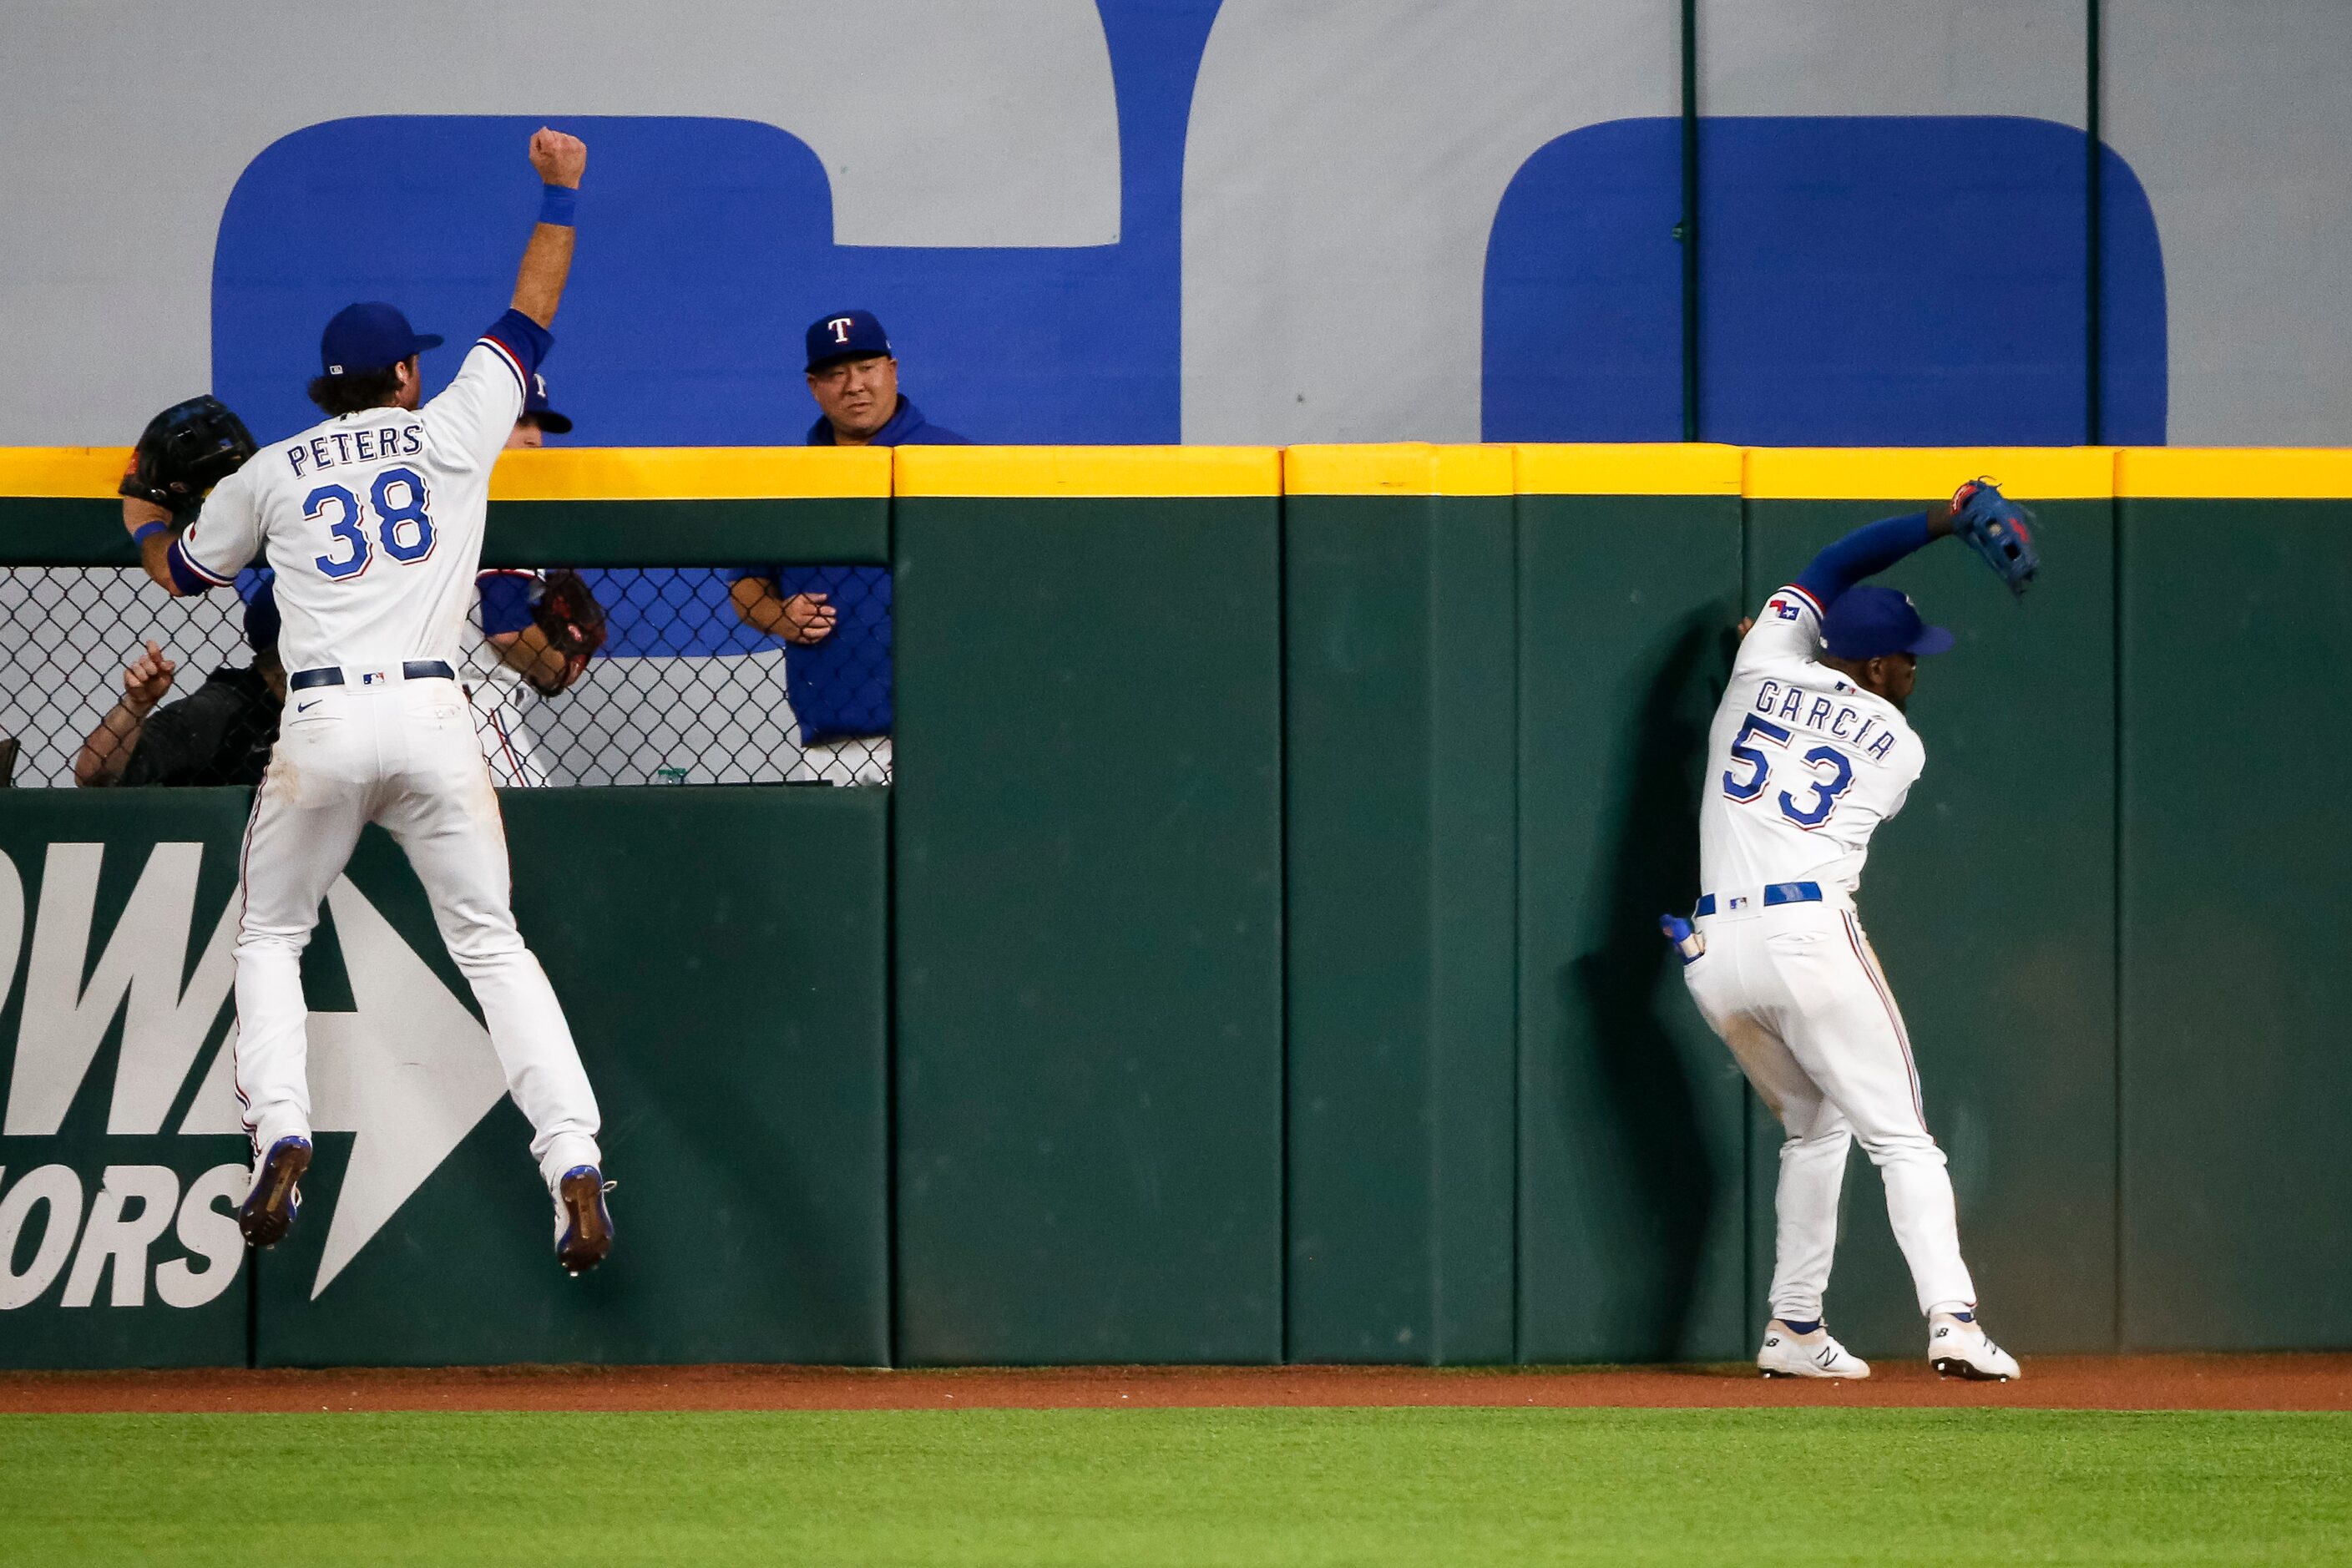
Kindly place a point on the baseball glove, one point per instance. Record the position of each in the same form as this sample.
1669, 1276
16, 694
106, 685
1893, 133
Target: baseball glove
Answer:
571, 619
184, 452
1998, 528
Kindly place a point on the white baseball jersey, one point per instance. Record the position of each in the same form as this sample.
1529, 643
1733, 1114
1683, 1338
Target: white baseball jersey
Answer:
372, 521
1802, 764
498, 692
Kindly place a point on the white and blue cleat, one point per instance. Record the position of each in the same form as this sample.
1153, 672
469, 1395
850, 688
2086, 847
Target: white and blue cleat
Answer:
276, 1198
1958, 1347
1787, 1353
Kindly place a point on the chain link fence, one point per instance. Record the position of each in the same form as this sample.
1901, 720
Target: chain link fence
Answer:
707, 677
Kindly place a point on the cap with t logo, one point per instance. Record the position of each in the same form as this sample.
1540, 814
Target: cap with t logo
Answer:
539, 412
847, 334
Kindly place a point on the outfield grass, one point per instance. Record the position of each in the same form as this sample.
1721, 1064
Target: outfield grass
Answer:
1205, 1486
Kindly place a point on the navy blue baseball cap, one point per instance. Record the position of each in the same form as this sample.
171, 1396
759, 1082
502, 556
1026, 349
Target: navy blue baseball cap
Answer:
369, 336
535, 408
848, 334
1870, 622
261, 616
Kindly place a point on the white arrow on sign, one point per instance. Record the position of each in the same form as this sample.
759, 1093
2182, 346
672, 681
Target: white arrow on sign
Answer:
409, 1069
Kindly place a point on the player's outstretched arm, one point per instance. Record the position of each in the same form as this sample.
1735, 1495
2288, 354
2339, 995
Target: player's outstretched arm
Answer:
1872, 549
547, 259
149, 526
165, 555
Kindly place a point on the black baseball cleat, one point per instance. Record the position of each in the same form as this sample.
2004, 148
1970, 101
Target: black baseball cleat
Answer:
583, 1226
269, 1209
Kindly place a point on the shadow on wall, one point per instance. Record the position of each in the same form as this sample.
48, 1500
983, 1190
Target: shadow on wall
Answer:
1622, 999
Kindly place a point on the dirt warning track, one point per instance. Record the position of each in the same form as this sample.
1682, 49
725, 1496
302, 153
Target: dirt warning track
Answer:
2081, 1383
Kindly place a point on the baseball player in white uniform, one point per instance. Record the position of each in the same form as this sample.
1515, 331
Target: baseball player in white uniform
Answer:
372, 521
508, 663
1810, 753
498, 691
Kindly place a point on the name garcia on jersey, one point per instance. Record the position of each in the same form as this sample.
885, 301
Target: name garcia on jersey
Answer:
339, 448
1826, 715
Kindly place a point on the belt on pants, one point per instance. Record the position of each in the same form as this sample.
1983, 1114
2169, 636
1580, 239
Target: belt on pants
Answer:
1775, 893
332, 675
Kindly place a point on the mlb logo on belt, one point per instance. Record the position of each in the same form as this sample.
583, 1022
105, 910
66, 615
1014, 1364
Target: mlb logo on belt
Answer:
1740, 903
374, 677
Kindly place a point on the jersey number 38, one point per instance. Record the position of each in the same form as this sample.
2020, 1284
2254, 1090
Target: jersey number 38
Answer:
403, 528
1835, 768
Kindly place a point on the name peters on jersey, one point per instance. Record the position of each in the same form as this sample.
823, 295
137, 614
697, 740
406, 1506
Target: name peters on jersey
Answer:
401, 441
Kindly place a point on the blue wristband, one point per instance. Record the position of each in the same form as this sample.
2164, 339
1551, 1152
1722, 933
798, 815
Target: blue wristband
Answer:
139, 536
557, 204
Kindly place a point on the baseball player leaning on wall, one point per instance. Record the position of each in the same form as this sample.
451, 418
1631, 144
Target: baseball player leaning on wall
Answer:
372, 521
836, 619
1811, 751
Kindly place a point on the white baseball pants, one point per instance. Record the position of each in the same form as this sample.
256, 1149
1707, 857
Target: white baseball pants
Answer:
1797, 994
403, 753
507, 745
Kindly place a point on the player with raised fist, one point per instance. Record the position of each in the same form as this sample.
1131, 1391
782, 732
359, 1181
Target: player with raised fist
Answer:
372, 521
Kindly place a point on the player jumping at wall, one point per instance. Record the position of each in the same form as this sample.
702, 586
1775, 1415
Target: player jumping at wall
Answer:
373, 522
1810, 751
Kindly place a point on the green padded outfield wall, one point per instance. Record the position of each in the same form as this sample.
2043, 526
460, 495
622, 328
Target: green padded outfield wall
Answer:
1630, 1225
2237, 1092
1088, 960
1267, 937
735, 1027
736, 1040
1398, 826
118, 1236
1991, 900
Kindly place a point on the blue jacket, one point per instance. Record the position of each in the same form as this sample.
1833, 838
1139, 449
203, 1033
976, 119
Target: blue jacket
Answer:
840, 688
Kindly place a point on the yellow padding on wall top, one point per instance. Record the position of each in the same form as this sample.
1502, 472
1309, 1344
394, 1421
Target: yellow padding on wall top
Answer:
1402, 468
1656, 469
2286, 473
574, 473
1410, 467
1927, 473
1048, 471
692, 473
91, 471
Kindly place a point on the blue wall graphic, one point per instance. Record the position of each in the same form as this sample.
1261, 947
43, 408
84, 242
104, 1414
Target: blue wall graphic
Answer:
1863, 281
706, 248
1584, 290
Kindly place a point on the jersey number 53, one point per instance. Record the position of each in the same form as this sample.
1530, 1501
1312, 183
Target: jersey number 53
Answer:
404, 526
1835, 768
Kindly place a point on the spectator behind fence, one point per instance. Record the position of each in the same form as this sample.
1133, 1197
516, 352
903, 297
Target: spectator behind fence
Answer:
219, 734
507, 656
836, 619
